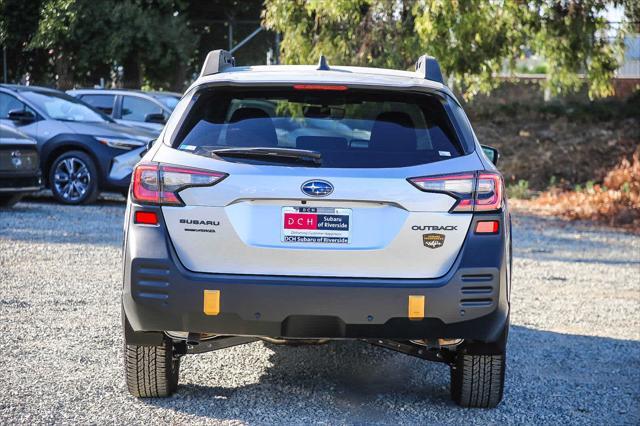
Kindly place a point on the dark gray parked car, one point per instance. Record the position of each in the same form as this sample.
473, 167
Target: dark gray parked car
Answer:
82, 151
19, 166
149, 110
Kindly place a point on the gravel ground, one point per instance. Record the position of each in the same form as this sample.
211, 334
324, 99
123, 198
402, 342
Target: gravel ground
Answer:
574, 349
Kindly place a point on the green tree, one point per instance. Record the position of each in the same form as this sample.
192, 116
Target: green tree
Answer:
148, 43
472, 39
75, 35
346, 31
87, 40
153, 42
18, 23
632, 15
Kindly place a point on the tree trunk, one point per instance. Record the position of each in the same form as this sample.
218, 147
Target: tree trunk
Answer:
177, 85
63, 71
132, 75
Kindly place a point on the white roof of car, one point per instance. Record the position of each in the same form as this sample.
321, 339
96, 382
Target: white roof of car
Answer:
128, 92
309, 74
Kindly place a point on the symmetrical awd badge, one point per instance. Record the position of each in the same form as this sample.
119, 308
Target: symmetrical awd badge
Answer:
199, 225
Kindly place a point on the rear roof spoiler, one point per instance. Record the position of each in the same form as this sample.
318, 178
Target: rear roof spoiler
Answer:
220, 60
427, 67
217, 61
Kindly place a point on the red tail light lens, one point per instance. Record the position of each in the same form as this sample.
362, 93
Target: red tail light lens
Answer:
459, 186
160, 184
479, 192
145, 218
487, 227
488, 192
146, 184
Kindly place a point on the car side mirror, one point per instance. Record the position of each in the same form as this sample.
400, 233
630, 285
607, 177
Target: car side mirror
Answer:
21, 116
147, 147
492, 154
154, 118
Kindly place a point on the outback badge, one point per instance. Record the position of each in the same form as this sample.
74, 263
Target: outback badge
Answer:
433, 241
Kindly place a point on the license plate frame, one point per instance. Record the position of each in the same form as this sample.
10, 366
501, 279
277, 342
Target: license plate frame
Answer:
316, 225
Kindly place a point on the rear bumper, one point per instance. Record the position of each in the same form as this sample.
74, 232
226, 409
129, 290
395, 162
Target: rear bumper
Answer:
11, 182
469, 302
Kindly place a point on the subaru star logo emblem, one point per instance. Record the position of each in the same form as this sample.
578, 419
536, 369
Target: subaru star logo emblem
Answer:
317, 188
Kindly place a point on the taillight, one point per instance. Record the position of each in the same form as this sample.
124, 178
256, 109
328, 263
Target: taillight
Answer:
146, 185
159, 183
145, 218
488, 192
475, 191
459, 186
487, 227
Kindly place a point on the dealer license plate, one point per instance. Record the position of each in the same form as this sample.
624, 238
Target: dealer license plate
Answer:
316, 225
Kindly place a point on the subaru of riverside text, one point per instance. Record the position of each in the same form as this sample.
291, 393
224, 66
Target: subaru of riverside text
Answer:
304, 204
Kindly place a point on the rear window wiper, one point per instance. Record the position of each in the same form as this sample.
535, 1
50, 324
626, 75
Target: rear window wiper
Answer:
286, 155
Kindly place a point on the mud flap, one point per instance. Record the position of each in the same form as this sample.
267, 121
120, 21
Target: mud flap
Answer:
140, 338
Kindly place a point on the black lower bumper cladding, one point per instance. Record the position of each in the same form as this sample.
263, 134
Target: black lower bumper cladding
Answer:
470, 302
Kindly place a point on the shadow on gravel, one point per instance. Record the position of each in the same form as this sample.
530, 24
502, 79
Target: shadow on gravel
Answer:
551, 377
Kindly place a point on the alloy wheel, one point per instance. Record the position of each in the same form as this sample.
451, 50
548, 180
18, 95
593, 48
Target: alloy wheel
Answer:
72, 179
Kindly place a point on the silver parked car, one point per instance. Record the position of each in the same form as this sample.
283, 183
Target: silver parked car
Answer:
149, 110
301, 204
82, 151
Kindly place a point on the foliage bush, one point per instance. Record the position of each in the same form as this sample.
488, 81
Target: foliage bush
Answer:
519, 190
615, 202
569, 143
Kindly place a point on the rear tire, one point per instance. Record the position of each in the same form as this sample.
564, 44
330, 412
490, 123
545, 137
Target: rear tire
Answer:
477, 381
7, 201
151, 371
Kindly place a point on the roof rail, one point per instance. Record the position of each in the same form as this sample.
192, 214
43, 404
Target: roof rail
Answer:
217, 61
428, 68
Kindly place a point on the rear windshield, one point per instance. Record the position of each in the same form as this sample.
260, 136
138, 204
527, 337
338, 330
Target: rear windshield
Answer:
348, 128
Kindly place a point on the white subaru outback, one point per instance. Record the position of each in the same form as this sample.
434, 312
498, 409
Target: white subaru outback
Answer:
301, 204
